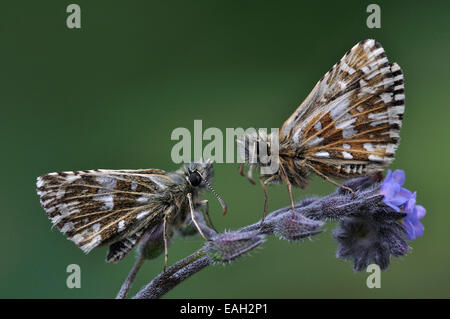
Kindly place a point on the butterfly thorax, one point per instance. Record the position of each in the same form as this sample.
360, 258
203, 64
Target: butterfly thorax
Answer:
177, 197
290, 160
292, 165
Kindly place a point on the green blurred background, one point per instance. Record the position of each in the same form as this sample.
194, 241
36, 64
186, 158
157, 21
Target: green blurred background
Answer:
110, 94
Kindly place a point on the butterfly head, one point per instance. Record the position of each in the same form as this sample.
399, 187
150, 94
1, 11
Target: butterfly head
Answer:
199, 175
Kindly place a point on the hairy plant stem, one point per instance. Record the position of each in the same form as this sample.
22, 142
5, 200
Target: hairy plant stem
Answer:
309, 216
131, 276
174, 275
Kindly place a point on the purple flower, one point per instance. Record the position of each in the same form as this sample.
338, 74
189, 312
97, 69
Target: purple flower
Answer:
394, 195
402, 200
411, 222
378, 230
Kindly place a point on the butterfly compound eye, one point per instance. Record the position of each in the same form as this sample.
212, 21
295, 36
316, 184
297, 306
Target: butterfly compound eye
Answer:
195, 179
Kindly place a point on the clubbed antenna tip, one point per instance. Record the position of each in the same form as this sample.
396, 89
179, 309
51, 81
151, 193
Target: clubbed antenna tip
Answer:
221, 201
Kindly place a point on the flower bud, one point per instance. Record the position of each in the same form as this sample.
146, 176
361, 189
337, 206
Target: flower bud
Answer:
296, 227
229, 246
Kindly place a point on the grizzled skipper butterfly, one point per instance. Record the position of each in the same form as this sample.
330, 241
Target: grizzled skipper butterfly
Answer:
348, 126
116, 207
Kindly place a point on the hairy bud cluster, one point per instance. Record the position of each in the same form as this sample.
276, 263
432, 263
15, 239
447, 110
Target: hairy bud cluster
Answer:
228, 246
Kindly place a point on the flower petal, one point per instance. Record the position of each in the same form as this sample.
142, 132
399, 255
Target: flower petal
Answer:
388, 175
399, 176
418, 229
404, 193
399, 200
420, 211
393, 206
410, 204
410, 231
389, 190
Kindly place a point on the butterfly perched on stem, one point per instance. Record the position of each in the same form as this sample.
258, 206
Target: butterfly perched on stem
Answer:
348, 126
116, 207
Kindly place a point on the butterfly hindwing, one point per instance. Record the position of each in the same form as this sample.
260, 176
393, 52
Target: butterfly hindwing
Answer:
118, 250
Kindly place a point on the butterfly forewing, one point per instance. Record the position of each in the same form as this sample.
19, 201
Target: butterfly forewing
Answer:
96, 207
349, 124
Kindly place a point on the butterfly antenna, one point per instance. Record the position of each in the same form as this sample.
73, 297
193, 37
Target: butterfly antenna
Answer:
222, 203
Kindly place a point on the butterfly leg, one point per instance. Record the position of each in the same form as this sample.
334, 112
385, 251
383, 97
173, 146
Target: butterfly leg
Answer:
330, 180
241, 169
191, 206
266, 198
209, 222
291, 197
166, 242
289, 187
250, 174
252, 160
266, 194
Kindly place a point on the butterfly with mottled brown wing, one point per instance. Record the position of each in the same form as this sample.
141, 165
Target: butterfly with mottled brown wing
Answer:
348, 126
116, 207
